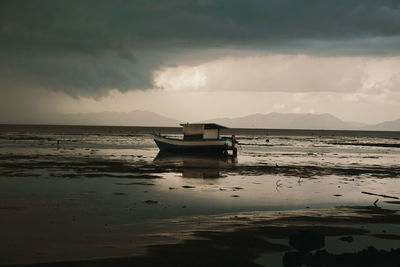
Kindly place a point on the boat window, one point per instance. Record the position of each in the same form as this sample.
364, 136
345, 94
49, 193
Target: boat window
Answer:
193, 136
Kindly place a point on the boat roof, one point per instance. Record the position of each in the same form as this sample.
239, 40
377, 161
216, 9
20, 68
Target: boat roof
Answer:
206, 125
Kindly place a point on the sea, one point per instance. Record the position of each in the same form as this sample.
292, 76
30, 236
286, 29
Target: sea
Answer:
85, 184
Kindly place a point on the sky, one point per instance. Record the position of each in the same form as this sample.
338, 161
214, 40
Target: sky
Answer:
198, 60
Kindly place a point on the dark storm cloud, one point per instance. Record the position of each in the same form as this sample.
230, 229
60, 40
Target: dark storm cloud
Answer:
88, 47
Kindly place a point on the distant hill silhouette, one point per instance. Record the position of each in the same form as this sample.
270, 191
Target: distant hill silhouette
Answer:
133, 118
289, 121
385, 126
272, 121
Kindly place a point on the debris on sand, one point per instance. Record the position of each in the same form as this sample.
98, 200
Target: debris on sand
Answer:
347, 239
387, 236
393, 202
134, 183
379, 195
120, 194
11, 208
188, 186
236, 188
364, 144
151, 202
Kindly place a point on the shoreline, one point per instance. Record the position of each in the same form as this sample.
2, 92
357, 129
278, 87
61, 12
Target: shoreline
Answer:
96, 129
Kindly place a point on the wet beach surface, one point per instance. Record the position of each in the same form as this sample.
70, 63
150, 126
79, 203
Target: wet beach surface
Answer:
89, 196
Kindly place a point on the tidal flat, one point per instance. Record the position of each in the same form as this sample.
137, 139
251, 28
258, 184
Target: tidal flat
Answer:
105, 195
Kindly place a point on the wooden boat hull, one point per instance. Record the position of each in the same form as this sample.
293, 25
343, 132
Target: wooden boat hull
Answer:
203, 145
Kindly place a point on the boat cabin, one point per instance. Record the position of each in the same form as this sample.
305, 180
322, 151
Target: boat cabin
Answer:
201, 130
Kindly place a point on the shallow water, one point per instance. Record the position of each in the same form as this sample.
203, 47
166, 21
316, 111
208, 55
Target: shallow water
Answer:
81, 180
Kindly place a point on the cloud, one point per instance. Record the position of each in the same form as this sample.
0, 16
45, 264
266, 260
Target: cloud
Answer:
90, 47
269, 73
78, 74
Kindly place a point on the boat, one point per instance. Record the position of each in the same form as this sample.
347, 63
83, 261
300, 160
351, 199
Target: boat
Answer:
197, 137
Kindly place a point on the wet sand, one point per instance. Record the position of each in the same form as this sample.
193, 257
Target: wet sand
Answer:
244, 239
101, 199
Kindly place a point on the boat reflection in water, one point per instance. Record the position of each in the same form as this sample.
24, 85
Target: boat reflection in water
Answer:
197, 165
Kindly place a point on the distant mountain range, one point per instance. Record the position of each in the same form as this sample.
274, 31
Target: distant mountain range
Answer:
303, 121
385, 126
289, 121
271, 120
133, 118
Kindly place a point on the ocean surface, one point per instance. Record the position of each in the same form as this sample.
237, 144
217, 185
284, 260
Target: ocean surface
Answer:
70, 182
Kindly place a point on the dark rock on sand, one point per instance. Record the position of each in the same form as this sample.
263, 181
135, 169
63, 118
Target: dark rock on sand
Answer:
307, 240
367, 258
